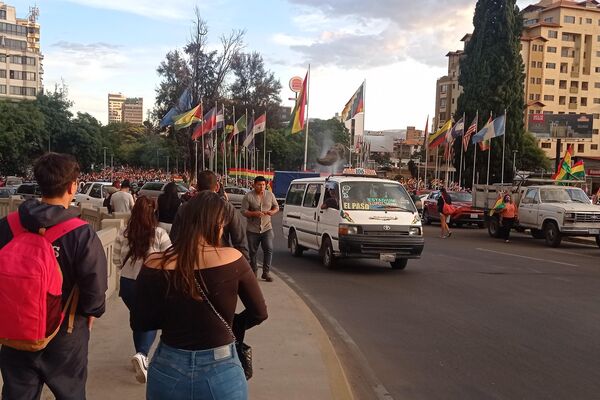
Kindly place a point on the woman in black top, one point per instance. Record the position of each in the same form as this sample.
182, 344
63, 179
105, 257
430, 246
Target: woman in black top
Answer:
444, 218
168, 204
196, 357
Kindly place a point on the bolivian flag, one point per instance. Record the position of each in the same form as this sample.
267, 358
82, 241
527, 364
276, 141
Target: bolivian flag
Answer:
297, 121
564, 169
499, 205
578, 170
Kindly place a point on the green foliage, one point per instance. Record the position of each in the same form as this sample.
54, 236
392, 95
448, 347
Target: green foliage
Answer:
492, 77
530, 156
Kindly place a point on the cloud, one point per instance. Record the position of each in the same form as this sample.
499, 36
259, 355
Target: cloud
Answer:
158, 9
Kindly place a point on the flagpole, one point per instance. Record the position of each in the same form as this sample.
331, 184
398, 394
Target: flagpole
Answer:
203, 145
503, 145
224, 145
487, 182
426, 143
307, 119
475, 150
265, 144
364, 95
196, 158
254, 160
234, 140
461, 154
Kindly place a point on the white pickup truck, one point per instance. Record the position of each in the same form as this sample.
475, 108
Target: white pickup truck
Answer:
550, 212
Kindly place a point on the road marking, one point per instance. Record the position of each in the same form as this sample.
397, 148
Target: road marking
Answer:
574, 254
526, 257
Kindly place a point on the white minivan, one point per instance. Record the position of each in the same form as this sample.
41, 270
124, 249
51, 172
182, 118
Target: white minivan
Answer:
352, 215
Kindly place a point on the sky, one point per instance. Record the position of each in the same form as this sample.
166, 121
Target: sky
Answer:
398, 47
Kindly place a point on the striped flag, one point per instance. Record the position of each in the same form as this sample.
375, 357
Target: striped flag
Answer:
470, 132
297, 122
439, 136
260, 124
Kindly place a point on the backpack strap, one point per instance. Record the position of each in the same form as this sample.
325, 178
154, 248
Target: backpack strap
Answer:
14, 222
59, 230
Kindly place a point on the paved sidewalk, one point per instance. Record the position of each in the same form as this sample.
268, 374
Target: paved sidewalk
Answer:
293, 357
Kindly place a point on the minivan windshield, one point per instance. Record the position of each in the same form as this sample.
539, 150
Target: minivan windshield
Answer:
375, 196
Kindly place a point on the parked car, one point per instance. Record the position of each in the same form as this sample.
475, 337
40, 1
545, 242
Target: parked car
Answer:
92, 193
29, 191
236, 194
6, 192
352, 215
155, 189
464, 214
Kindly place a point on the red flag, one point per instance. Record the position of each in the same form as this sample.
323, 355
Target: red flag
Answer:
208, 124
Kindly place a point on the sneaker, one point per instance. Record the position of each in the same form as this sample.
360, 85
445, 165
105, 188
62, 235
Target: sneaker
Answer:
140, 364
267, 277
507, 241
449, 233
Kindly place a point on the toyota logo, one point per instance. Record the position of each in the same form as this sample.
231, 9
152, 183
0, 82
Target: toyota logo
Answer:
387, 228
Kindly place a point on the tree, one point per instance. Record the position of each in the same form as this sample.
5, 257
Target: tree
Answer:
492, 77
530, 157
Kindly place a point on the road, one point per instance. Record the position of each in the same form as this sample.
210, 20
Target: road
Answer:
474, 318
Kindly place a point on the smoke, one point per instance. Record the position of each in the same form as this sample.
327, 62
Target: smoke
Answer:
332, 156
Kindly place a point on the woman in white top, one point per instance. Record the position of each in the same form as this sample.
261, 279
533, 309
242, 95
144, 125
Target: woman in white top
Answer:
141, 237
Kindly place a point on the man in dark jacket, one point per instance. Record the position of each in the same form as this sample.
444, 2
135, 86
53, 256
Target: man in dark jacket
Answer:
62, 365
233, 232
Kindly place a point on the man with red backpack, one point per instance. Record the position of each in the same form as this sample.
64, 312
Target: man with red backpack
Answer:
53, 279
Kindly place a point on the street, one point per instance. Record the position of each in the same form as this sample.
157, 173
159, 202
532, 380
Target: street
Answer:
475, 318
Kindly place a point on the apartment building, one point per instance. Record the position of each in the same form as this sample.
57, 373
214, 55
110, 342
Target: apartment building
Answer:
125, 109
561, 55
20, 57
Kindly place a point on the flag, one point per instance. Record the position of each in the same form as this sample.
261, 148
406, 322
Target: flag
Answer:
355, 105
297, 121
260, 124
239, 126
438, 137
458, 129
220, 119
491, 130
184, 103
208, 124
499, 205
246, 139
578, 170
467, 136
564, 168
188, 118
426, 131
484, 145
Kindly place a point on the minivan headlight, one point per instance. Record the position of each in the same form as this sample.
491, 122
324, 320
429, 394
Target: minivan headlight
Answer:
414, 231
345, 229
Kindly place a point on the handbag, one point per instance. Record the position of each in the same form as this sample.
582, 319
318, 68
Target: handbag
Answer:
448, 209
244, 351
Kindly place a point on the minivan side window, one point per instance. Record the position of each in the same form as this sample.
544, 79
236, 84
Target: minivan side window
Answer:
313, 195
294, 195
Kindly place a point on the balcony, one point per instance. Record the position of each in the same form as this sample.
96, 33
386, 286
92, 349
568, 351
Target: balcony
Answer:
573, 90
572, 106
574, 74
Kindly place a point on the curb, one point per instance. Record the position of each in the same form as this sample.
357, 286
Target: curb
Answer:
581, 240
338, 381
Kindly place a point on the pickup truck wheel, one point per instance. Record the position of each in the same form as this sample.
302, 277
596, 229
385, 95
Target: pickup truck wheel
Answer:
552, 234
426, 219
400, 263
327, 256
295, 249
494, 227
537, 234
598, 240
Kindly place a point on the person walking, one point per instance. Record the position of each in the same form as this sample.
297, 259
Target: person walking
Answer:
138, 239
122, 201
168, 204
508, 216
444, 200
62, 364
258, 206
190, 292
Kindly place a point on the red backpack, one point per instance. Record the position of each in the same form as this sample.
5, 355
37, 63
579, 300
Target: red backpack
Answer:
31, 287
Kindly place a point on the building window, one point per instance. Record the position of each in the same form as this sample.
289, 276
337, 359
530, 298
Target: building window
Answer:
588, 20
598, 38
3, 58
562, 100
553, 34
597, 69
534, 47
442, 103
597, 85
549, 81
551, 49
548, 97
594, 147
562, 84
12, 29
551, 65
549, 19
569, 19
3, 16
594, 131
2, 89
572, 100
581, 148
443, 88
584, 101
546, 145
568, 37
564, 68
596, 100
567, 52
533, 64
532, 81
2, 73
22, 91
584, 86
596, 116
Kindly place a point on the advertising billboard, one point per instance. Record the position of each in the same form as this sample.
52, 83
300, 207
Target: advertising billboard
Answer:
561, 125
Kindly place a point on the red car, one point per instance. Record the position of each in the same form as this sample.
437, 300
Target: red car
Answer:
464, 214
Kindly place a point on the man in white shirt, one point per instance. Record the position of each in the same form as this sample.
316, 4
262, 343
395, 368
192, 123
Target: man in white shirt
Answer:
122, 201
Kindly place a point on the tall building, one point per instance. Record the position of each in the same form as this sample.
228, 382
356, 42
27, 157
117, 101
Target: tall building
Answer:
561, 54
125, 109
20, 57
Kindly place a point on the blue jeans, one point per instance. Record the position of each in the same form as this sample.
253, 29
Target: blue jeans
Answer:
213, 374
265, 240
142, 340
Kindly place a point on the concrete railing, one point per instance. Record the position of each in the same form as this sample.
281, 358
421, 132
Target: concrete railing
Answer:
108, 237
9, 205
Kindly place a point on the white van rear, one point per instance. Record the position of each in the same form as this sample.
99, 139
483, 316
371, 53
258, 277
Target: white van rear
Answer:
352, 216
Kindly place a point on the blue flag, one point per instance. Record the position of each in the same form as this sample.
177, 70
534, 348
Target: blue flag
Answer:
183, 104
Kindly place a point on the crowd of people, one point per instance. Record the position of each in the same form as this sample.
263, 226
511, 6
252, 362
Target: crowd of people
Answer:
183, 266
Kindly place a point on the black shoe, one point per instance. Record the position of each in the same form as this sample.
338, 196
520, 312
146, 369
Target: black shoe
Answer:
267, 277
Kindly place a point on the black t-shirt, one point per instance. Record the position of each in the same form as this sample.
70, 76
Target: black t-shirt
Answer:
167, 210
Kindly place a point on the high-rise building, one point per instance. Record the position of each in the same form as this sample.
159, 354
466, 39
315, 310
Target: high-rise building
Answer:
561, 54
20, 57
125, 109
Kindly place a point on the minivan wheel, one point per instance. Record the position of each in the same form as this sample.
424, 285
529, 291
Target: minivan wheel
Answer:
295, 248
400, 263
552, 234
327, 256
